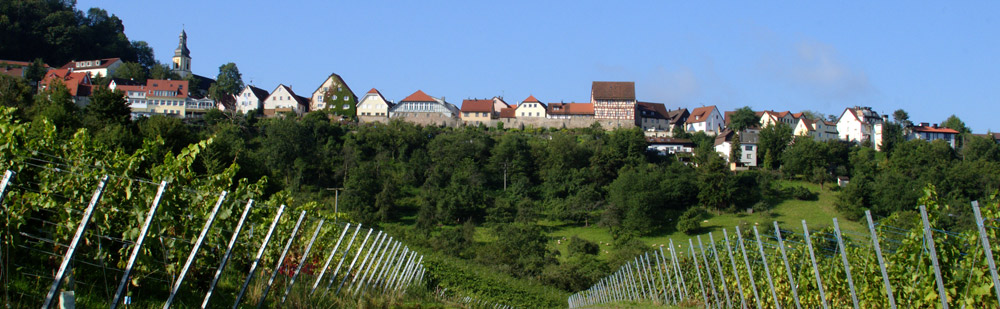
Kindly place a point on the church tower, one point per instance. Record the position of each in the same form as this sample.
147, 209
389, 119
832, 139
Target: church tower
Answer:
182, 57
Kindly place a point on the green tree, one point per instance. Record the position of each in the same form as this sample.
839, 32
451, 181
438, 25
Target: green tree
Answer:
132, 71
108, 107
636, 196
228, 83
56, 104
15, 92
901, 117
162, 71
954, 123
143, 54
804, 156
35, 71
743, 118
771, 142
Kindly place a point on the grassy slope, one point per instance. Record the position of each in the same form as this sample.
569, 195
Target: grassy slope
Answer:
789, 214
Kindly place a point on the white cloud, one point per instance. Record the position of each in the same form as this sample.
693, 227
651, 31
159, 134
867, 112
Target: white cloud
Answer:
816, 67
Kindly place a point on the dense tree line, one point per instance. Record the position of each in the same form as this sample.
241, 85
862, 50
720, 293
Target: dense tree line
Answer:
56, 32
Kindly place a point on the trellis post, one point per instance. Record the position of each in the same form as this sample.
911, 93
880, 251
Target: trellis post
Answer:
194, 250
260, 253
847, 265
718, 266
929, 240
736, 273
746, 260
281, 259
302, 261
229, 252
812, 258
767, 270
330, 258
138, 244
71, 250
881, 262
788, 268
986, 248
697, 269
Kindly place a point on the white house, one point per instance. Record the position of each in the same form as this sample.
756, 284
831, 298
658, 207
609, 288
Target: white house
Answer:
818, 129
668, 145
769, 118
705, 119
98, 67
332, 93
283, 99
250, 99
421, 105
531, 107
858, 124
932, 132
374, 107
748, 144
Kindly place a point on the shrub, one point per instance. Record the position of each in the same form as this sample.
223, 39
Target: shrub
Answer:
803, 194
579, 245
690, 221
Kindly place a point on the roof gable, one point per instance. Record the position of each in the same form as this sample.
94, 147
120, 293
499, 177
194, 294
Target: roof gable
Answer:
419, 96
701, 114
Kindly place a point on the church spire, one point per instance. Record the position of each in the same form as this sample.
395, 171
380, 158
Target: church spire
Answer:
182, 56
182, 49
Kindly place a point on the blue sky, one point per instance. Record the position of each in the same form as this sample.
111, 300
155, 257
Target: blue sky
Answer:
931, 59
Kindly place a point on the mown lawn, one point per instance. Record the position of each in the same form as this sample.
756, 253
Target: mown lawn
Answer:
789, 215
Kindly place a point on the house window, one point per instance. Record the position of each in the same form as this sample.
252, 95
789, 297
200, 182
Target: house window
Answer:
345, 98
748, 148
347, 106
334, 97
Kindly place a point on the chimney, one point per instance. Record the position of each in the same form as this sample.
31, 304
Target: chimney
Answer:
924, 124
934, 126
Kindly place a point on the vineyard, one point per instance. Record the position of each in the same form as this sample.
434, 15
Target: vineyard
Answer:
781, 266
81, 226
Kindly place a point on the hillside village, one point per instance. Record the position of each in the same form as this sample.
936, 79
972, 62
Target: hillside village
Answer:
612, 105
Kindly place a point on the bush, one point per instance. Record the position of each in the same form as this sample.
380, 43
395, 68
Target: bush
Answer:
690, 221
803, 194
579, 245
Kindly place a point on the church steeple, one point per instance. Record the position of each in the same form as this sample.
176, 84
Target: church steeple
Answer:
182, 57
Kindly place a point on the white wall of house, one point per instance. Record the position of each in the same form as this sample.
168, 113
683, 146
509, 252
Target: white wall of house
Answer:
247, 101
283, 99
712, 124
373, 104
748, 153
530, 109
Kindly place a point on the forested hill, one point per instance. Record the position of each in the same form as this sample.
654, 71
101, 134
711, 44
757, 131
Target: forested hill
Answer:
57, 32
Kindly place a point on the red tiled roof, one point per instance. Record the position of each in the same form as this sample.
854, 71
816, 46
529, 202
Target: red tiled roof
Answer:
419, 96
571, 109
797, 115
934, 130
613, 90
507, 112
531, 99
104, 63
13, 72
180, 87
700, 114
127, 88
374, 91
78, 83
20, 63
477, 106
